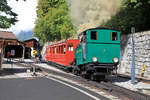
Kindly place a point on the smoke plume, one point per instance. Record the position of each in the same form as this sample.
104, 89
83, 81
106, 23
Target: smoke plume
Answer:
92, 13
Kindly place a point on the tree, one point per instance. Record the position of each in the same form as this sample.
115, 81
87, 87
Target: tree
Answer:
54, 21
7, 16
132, 12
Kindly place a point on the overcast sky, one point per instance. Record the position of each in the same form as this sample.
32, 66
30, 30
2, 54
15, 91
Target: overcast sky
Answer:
26, 11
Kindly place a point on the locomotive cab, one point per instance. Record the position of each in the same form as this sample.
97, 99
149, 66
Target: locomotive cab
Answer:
98, 52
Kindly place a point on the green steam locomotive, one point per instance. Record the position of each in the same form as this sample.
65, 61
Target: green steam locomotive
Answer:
97, 54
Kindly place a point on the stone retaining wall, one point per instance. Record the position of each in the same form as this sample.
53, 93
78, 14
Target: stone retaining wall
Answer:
142, 53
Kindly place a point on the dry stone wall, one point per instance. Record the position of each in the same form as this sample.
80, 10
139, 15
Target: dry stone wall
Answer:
43, 52
142, 53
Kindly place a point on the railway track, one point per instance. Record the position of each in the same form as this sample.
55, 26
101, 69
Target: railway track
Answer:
139, 79
108, 87
118, 91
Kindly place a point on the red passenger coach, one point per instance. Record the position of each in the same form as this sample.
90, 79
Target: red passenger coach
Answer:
62, 53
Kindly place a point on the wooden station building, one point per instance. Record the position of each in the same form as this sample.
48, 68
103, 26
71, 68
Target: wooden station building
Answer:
10, 43
31, 45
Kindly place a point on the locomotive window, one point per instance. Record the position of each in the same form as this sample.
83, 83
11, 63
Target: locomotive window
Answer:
114, 36
93, 35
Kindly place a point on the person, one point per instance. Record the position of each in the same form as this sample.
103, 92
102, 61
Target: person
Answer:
40, 57
8, 56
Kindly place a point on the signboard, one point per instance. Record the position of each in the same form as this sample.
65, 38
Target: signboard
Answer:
35, 52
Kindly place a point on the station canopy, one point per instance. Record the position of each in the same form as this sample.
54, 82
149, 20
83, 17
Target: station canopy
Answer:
8, 38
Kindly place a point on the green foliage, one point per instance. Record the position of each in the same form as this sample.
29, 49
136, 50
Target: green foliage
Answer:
7, 17
132, 13
133, 1
54, 22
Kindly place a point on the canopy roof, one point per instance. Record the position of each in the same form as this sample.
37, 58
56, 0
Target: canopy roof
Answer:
7, 35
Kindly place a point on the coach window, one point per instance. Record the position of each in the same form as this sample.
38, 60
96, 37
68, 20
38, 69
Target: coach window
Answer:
53, 50
57, 50
61, 49
49, 50
46, 50
70, 47
64, 49
114, 36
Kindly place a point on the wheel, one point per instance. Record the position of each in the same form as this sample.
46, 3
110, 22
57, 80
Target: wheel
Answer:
92, 77
76, 72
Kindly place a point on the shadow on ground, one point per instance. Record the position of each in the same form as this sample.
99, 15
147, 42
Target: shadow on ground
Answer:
115, 78
12, 71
